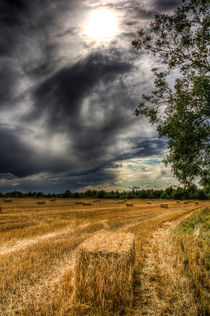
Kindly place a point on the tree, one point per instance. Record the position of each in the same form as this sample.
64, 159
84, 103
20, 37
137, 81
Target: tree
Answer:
180, 104
67, 194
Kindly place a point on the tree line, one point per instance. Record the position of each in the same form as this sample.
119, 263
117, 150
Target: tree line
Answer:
177, 193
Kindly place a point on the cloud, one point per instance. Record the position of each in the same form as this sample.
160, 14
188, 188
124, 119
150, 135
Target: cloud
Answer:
61, 95
21, 160
67, 104
165, 5
139, 13
7, 176
134, 188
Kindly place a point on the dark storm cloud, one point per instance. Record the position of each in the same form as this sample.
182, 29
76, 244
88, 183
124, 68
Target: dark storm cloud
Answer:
145, 148
21, 33
15, 17
20, 160
165, 5
61, 99
7, 176
138, 10
7, 85
151, 147
11, 17
32, 69
15, 157
93, 178
26, 46
69, 31
62, 94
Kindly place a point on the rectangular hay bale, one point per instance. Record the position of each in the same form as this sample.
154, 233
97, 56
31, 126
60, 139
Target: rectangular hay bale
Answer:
129, 204
104, 271
7, 200
41, 202
164, 205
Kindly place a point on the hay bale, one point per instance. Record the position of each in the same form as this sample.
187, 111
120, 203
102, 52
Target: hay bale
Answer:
87, 204
40, 202
0, 209
149, 202
164, 205
96, 201
186, 202
120, 202
79, 203
104, 271
177, 201
7, 200
129, 204
52, 200
196, 202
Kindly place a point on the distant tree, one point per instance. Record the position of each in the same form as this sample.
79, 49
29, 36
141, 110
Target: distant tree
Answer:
76, 195
191, 192
67, 194
39, 194
180, 102
101, 194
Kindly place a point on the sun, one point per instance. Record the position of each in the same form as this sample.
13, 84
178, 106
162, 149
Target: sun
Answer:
102, 25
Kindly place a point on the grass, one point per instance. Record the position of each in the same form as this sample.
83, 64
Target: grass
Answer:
38, 244
191, 240
197, 223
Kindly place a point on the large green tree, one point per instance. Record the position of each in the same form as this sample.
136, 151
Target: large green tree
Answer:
179, 104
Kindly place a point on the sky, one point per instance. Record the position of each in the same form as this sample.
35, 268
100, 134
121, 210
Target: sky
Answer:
70, 82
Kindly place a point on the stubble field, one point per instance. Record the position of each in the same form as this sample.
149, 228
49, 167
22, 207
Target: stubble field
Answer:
38, 242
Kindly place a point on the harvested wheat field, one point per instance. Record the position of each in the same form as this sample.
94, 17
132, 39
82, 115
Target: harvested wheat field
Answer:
50, 252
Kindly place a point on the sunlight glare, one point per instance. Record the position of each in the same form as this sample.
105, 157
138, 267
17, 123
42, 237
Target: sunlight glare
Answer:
102, 25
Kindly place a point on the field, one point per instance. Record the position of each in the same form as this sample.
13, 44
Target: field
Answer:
38, 243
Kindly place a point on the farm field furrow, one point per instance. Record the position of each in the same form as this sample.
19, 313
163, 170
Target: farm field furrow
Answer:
38, 243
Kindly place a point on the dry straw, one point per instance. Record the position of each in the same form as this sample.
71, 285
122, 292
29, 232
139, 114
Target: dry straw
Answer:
164, 205
104, 271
